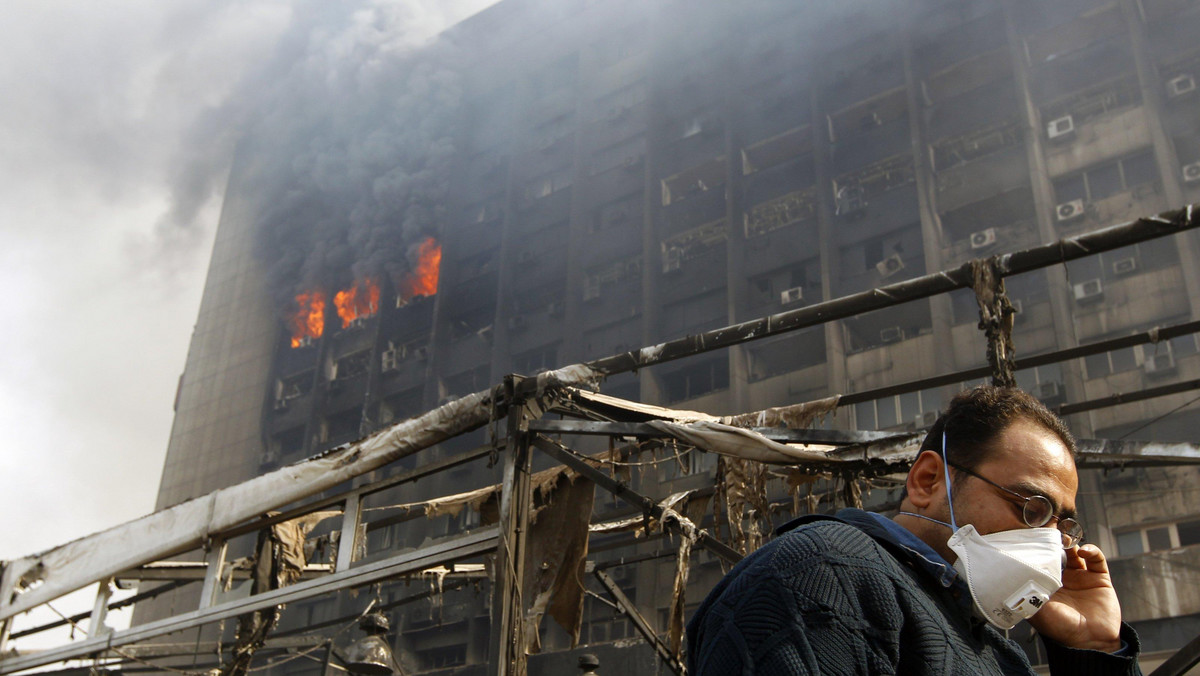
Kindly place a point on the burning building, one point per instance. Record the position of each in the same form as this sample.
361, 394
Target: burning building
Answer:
608, 175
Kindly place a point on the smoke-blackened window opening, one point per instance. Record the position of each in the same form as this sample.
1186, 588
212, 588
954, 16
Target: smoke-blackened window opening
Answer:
787, 354
695, 181
288, 444
402, 405
888, 326
873, 180
474, 324
292, 387
467, 382
786, 287
623, 212
490, 210
702, 123
596, 279
547, 184
781, 212
880, 117
350, 366
1106, 179
976, 144
339, 428
695, 314
695, 380
1093, 102
792, 148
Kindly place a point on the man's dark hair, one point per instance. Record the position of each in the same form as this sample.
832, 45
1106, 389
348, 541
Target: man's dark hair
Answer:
977, 416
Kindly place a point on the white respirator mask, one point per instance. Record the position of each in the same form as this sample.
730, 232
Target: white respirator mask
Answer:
1011, 574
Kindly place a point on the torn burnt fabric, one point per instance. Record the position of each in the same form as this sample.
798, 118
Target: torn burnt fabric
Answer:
555, 557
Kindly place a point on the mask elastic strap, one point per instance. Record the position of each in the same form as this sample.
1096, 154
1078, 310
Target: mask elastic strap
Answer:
946, 469
922, 516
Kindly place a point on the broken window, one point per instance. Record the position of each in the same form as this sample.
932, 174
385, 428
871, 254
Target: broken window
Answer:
292, 387
352, 365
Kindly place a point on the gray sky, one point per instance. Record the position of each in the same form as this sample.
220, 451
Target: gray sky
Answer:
116, 126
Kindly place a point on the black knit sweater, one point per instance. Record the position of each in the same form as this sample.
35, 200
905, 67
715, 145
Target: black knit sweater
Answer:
851, 596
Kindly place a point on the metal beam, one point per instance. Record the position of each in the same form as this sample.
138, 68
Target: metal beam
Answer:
506, 654
639, 622
780, 434
446, 551
1184, 659
1062, 251
1142, 338
630, 496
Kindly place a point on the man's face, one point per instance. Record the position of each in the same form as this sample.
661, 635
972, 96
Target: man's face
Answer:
1025, 458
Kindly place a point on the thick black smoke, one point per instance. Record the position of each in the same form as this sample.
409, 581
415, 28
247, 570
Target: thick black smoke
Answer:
350, 155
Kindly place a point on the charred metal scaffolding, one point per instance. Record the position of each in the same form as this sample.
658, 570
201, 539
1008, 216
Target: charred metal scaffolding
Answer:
531, 541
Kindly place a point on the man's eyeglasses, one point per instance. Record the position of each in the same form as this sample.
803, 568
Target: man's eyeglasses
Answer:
1037, 511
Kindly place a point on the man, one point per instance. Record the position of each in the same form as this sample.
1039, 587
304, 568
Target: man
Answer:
993, 491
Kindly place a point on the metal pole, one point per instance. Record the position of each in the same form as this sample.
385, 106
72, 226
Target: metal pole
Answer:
507, 649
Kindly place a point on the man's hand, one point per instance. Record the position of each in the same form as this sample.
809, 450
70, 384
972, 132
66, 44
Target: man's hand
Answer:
1085, 612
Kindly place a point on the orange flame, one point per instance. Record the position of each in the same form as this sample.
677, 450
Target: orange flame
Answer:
309, 320
423, 280
351, 304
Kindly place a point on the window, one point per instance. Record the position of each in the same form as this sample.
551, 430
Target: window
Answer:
627, 154
899, 409
699, 379
619, 213
1157, 538
1107, 179
352, 365
1105, 363
548, 184
537, 360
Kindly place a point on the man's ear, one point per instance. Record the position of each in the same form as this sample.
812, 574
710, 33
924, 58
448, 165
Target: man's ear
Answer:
925, 479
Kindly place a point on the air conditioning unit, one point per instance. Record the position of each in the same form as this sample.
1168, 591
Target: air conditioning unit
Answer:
1125, 266
1069, 211
792, 295
926, 419
1060, 129
1181, 85
890, 266
516, 323
672, 259
1159, 363
892, 334
392, 357
1089, 292
555, 309
1191, 172
591, 289
983, 239
1050, 391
